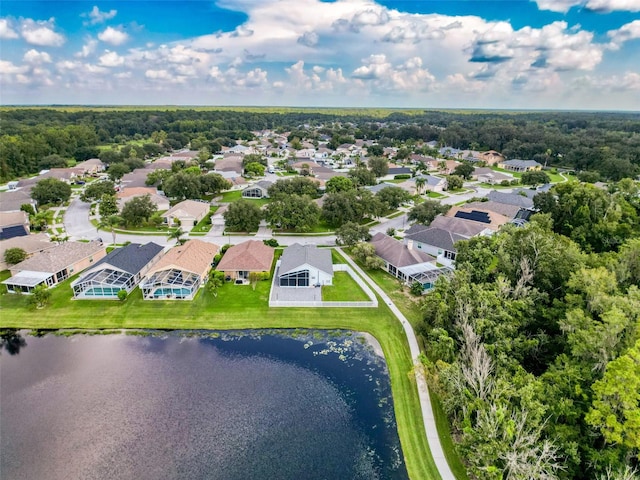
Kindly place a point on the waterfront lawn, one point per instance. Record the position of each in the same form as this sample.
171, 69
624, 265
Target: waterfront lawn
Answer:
241, 307
344, 289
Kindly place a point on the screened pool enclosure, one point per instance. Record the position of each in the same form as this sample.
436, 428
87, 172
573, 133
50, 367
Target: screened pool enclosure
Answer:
170, 284
105, 283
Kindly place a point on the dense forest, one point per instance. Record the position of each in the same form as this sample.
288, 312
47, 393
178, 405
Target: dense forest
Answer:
606, 143
534, 342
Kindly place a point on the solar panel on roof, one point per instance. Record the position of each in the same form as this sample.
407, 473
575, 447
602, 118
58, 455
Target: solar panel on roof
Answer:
475, 215
14, 231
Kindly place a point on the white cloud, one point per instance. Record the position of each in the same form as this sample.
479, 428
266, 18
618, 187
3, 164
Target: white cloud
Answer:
623, 34
8, 68
602, 6
111, 59
7, 31
113, 36
96, 16
41, 33
310, 39
88, 48
35, 57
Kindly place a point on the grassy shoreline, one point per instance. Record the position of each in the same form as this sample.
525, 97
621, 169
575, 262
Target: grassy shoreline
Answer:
237, 308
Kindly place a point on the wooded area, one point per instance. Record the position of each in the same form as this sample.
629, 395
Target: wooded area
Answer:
534, 342
607, 143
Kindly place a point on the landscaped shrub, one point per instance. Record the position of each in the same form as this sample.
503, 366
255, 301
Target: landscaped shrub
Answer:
402, 176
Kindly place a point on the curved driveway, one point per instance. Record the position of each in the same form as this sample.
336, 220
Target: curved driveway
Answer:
428, 418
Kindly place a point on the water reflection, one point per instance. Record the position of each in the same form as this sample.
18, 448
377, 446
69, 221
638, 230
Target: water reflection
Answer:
11, 341
208, 406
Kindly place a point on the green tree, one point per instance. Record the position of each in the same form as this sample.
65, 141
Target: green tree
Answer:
242, 216
379, 166
292, 212
616, 407
40, 296
122, 295
366, 254
535, 177
158, 176
213, 184
203, 156
454, 182
393, 197
138, 210
13, 256
362, 176
254, 169
118, 170
464, 170
339, 184
375, 150
351, 233
108, 205
177, 235
254, 158
182, 186
425, 212
296, 185
420, 184
96, 190
111, 223
51, 191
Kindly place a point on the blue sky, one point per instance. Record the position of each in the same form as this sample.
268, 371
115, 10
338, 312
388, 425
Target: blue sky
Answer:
516, 54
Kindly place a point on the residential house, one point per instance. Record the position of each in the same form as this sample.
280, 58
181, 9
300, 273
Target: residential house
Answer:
490, 219
93, 166
230, 163
491, 157
13, 224
486, 175
516, 199
431, 184
393, 171
12, 200
122, 269
381, 186
407, 264
517, 165
509, 211
67, 175
137, 178
435, 241
461, 226
31, 244
247, 257
53, 265
304, 266
180, 272
447, 167
257, 190
128, 193
187, 214
240, 149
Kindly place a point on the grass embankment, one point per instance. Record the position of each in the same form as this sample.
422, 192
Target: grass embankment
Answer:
241, 307
408, 305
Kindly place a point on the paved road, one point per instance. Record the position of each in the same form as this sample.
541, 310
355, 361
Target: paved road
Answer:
423, 390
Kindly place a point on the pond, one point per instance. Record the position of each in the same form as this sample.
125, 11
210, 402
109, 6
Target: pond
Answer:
198, 405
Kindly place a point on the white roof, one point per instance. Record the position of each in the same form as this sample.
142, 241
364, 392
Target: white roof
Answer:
28, 278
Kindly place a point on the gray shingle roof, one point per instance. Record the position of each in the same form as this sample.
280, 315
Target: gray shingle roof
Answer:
296, 255
131, 258
436, 237
510, 199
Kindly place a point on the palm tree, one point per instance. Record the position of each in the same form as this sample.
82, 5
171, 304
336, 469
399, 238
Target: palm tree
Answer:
420, 183
110, 223
177, 235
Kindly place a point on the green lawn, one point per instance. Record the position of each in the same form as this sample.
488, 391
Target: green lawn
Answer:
241, 307
344, 289
435, 195
204, 225
235, 195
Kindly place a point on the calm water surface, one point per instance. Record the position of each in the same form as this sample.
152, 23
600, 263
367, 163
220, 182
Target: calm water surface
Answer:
258, 405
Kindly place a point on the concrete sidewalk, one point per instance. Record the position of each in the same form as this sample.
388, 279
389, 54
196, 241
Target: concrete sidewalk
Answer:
423, 390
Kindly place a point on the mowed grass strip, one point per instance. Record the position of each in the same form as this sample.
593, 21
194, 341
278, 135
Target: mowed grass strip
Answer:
242, 307
344, 289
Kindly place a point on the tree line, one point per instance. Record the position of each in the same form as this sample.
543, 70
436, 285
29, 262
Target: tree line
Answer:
605, 143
